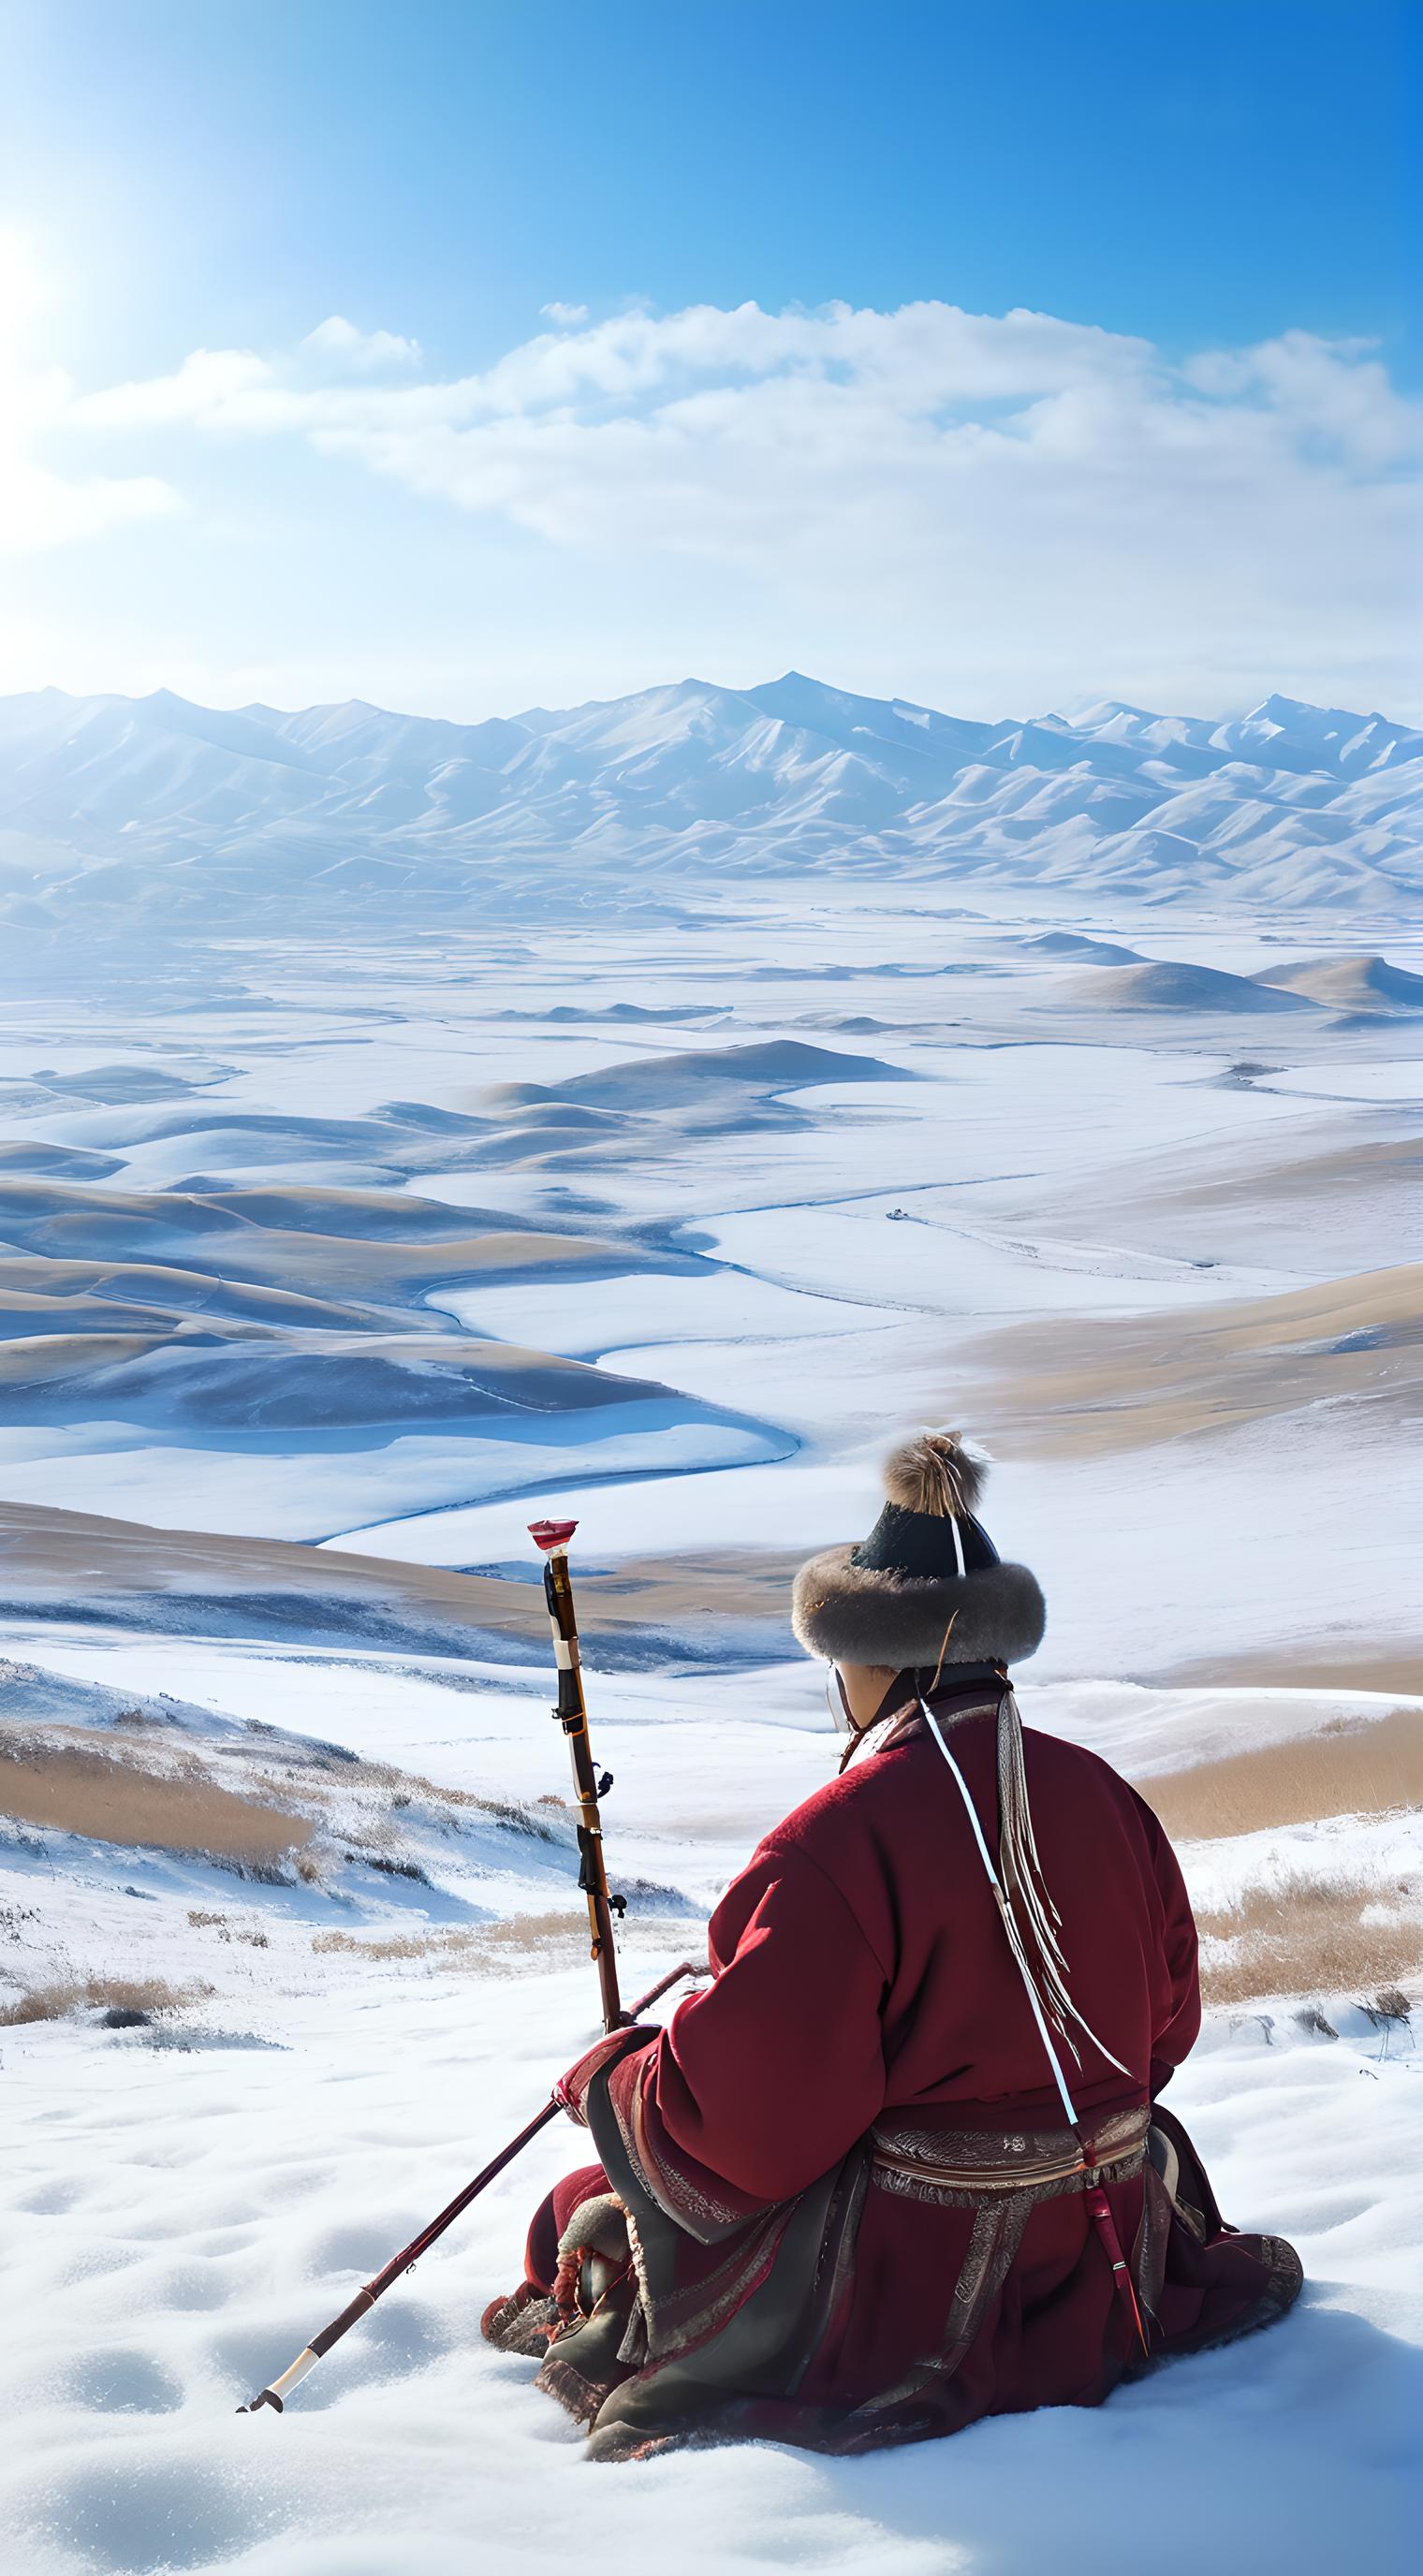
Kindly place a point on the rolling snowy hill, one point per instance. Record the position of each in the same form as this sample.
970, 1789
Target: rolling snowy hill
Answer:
156, 808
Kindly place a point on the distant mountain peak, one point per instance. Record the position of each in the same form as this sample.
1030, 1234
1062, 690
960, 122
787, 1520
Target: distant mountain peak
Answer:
1277, 705
1297, 714
158, 807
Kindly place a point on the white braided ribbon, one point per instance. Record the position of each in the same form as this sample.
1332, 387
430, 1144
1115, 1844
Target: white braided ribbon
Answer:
1052, 1964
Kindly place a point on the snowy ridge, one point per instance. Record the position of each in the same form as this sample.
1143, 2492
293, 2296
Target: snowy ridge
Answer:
156, 805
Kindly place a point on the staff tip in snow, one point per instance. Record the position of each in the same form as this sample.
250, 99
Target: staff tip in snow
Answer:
281, 2388
277, 2395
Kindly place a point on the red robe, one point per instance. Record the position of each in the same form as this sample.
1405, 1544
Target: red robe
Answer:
783, 2144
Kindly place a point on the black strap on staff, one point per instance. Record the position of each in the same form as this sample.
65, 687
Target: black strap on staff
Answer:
589, 1784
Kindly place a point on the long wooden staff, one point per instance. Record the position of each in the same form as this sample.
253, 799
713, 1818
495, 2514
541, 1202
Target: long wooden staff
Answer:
589, 1785
552, 1537
364, 2300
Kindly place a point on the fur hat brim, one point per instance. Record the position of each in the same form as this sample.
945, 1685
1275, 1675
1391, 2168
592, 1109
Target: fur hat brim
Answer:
860, 1615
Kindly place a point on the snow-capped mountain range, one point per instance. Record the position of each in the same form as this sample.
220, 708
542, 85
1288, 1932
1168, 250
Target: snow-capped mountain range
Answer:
172, 808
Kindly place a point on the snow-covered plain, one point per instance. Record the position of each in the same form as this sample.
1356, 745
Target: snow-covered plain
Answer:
384, 1254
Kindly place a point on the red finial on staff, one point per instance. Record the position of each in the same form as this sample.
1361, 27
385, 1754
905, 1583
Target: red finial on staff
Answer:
547, 1534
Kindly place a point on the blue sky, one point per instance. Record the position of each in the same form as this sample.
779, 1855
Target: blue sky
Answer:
1193, 181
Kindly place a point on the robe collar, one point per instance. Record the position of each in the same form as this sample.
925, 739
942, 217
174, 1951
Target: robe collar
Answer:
958, 1688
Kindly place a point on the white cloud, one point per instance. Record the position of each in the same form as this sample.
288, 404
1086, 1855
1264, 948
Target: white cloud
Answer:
1008, 505
207, 388
339, 339
564, 317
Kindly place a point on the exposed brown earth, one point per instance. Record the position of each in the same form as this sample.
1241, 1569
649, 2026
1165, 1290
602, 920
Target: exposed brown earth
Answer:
75, 1788
1353, 1169
1304, 1665
1366, 1769
1093, 1388
1296, 1934
51, 1560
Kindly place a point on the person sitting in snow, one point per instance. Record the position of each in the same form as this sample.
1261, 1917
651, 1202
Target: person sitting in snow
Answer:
904, 2162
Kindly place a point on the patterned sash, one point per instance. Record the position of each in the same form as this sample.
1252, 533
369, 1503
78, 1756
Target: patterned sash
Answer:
960, 2168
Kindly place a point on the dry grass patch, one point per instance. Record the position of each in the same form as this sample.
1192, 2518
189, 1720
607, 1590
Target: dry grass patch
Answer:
203, 1920
436, 1947
146, 1995
1364, 1768
480, 1945
1295, 1935
77, 1789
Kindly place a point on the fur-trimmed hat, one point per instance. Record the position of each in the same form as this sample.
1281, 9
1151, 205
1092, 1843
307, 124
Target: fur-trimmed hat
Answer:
928, 1584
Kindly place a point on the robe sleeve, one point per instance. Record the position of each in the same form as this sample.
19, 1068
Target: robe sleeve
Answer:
769, 2076
1178, 2017
765, 2079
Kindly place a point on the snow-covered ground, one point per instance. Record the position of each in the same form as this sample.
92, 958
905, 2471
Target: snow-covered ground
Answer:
391, 1259
180, 2221
184, 2205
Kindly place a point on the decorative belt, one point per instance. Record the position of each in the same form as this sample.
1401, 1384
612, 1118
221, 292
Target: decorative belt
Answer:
966, 2165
